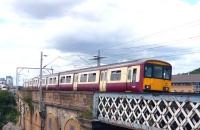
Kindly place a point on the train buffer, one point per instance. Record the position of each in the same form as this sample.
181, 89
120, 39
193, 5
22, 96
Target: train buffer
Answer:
166, 111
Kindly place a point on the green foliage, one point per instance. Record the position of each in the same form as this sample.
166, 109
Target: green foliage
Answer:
87, 114
8, 110
28, 99
196, 71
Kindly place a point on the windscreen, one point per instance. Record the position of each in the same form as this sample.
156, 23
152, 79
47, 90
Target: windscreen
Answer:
157, 71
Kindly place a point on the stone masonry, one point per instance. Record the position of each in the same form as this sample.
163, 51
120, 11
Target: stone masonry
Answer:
64, 110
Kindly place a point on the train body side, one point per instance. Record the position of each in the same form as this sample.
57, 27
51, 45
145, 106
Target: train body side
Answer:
136, 77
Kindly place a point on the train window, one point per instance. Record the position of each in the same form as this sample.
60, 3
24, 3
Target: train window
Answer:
35, 81
134, 75
54, 80
157, 71
92, 77
102, 75
50, 81
68, 79
167, 73
148, 71
62, 79
129, 74
76, 78
83, 78
115, 75
105, 76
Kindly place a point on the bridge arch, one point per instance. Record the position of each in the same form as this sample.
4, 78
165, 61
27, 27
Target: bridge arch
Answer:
51, 122
72, 124
36, 120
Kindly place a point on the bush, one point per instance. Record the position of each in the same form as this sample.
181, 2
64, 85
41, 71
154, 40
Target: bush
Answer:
8, 109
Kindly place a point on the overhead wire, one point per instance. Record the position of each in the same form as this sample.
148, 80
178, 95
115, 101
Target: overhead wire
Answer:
153, 34
154, 45
139, 48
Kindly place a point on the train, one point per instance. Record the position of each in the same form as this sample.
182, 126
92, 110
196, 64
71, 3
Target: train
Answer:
142, 75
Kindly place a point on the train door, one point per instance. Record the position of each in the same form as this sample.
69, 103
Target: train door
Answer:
103, 80
133, 78
75, 84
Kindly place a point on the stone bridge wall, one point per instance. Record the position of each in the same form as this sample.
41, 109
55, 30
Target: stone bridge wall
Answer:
64, 110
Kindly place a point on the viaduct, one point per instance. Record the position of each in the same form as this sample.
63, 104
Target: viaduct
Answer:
69, 110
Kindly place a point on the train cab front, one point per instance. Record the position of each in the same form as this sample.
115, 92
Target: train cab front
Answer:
157, 77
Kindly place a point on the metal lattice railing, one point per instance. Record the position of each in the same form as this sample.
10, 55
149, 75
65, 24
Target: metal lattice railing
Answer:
147, 111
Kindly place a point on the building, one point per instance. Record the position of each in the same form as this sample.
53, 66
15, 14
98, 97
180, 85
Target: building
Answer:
2, 81
9, 81
186, 83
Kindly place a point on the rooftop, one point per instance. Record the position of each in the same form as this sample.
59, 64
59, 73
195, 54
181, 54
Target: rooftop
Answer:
186, 78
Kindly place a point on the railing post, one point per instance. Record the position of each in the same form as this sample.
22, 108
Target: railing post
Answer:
95, 105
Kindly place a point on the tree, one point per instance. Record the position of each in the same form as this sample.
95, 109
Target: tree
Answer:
196, 71
8, 109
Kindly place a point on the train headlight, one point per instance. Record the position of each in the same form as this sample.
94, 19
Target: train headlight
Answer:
147, 87
165, 88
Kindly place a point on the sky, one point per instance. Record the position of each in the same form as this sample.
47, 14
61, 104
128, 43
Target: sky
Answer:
70, 32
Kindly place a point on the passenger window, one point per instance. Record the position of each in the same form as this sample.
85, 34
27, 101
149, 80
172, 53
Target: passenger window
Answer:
54, 80
50, 81
102, 75
83, 78
92, 77
68, 79
62, 80
167, 73
105, 76
134, 75
129, 74
148, 71
76, 78
115, 75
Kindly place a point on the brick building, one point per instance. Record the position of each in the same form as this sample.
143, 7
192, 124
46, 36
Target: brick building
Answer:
186, 83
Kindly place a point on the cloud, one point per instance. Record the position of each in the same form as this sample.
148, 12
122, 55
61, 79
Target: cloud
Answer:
46, 8
83, 26
89, 39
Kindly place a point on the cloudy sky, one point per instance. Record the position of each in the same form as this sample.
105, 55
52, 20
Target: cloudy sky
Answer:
71, 31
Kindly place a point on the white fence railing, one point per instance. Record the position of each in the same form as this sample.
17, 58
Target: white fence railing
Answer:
148, 111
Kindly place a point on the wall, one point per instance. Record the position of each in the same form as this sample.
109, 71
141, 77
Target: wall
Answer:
64, 110
183, 88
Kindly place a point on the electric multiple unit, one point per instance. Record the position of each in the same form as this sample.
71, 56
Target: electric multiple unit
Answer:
133, 76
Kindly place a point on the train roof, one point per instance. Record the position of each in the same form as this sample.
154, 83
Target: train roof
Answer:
108, 66
115, 65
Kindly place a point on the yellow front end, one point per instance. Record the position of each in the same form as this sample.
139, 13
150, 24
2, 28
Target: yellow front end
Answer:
153, 84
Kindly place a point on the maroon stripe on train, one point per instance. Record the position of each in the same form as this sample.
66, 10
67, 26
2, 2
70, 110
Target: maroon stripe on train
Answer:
66, 87
134, 87
115, 87
35, 87
122, 87
88, 87
52, 87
